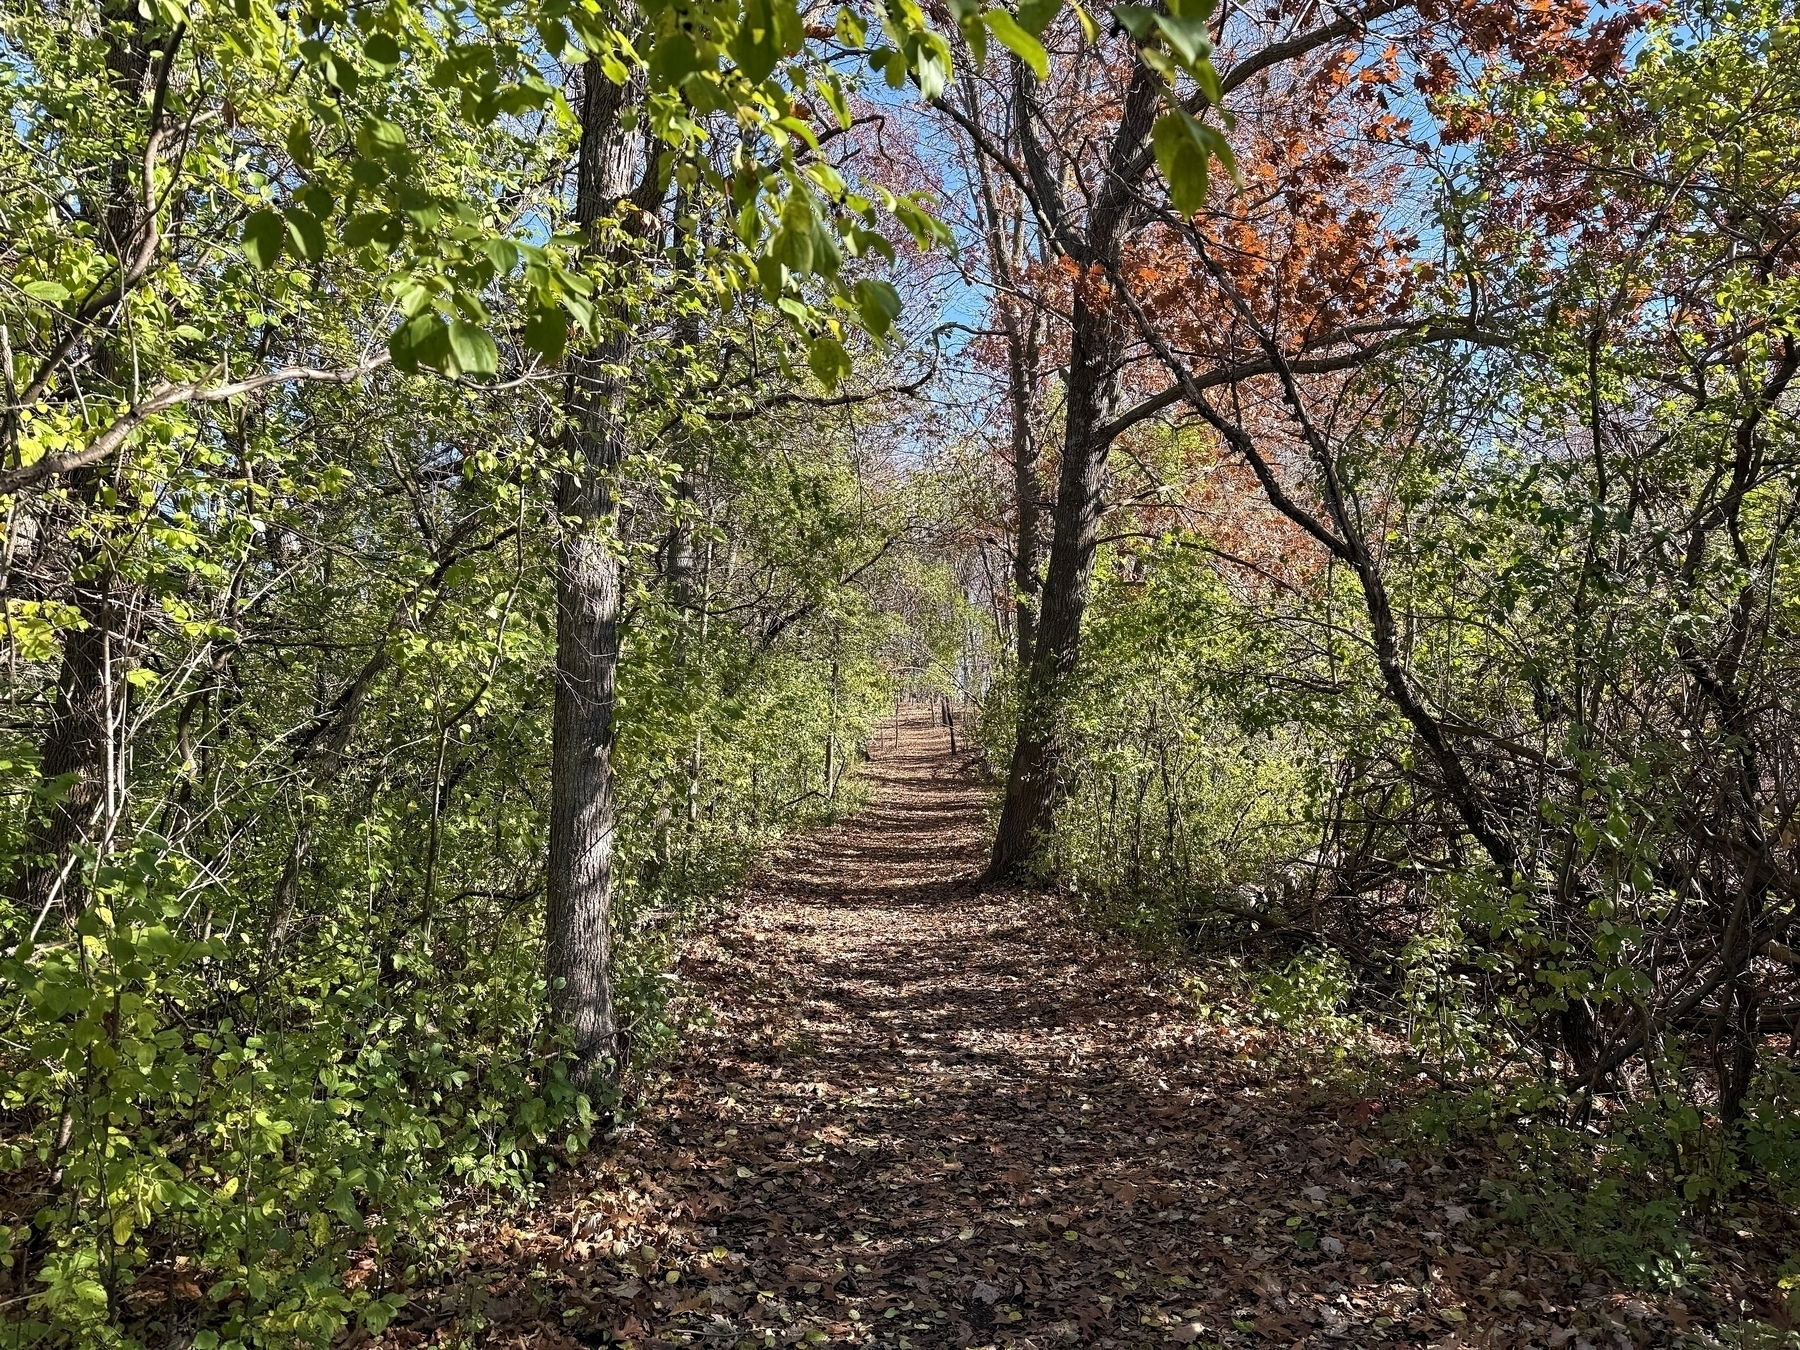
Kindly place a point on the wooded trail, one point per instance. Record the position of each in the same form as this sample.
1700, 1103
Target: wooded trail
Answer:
923, 1115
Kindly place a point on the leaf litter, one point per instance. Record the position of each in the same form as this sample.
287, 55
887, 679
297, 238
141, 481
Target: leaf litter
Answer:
910, 1113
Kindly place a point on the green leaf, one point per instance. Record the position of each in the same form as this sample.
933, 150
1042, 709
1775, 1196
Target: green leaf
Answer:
265, 233
1208, 76
371, 227
50, 292
299, 142
1035, 15
672, 60
1022, 44
381, 1311
968, 21
868, 241
756, 48
422, 340
378, 138
381, 51
317, 200
771, 274
545, 331
833, 93
878, 304
308, 234
930, 63
1138, 20
793, 250
339, 74
555, 35
1183, 153
1187, 38
926, 229
790, 28
793, 243
828, 360
749, 224
794, 126
472, 350
1089, 29
501, 252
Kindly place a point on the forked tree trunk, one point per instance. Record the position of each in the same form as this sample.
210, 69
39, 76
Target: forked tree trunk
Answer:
1098, 338
577, 934
1033, 782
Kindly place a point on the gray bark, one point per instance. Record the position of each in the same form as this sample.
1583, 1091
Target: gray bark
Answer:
1098, 342
577, 930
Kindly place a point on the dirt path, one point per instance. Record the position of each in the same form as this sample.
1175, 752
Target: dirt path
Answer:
927, 1116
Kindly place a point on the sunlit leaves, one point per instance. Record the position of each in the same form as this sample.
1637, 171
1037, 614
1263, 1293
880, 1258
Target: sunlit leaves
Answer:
1035, 15
767, 31
828, 360
879, 305
926, 229
1023, 45
471, 350
379, 139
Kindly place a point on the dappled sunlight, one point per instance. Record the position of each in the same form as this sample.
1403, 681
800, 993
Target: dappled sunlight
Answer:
927, 1115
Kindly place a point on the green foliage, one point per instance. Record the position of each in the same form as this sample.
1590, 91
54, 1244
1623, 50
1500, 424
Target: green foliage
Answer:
287, 1001
1309, 994
257, 1156
1186, 790
269, 1041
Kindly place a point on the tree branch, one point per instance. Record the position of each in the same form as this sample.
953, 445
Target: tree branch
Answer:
163, 398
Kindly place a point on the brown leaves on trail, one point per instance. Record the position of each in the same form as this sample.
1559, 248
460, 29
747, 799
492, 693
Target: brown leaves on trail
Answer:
926, 1117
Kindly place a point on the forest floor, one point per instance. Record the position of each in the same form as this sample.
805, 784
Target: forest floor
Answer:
907, 1112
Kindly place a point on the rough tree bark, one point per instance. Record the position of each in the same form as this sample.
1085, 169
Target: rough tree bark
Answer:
82, 745
577, 930
1098, 338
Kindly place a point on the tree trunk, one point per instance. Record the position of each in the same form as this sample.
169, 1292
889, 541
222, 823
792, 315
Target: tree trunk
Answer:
84, 742
1097, 344
1033, 782
577, 930
1021, 353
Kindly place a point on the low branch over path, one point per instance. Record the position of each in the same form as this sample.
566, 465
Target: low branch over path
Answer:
927, 1116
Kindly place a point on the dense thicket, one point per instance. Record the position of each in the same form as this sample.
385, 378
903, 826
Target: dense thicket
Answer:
290, 613
1427, 614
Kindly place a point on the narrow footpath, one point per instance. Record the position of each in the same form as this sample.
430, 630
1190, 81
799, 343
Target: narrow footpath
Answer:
913, 1114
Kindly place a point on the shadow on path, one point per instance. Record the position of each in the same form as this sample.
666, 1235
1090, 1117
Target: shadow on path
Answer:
914, 1114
